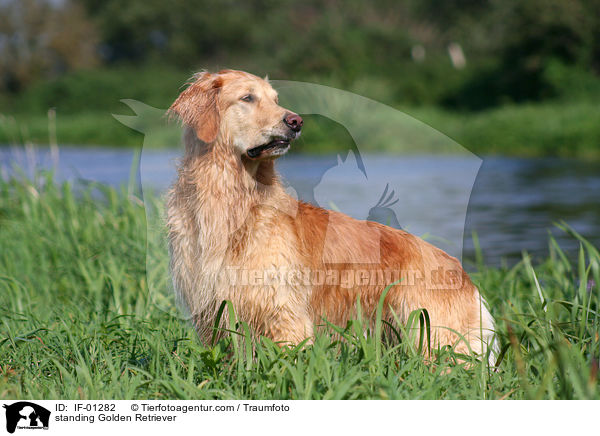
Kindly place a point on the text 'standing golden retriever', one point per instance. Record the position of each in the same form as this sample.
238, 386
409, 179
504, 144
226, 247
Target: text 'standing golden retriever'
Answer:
235, 234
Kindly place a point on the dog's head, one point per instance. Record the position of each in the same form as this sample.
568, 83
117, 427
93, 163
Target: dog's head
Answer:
240, 109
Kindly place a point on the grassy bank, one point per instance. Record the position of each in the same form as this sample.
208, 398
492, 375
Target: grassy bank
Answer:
77, 321
548, 129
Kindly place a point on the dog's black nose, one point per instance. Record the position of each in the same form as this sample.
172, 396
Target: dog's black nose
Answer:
293, 121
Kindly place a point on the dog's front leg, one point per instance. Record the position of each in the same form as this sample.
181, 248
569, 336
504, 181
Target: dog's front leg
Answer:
289, 328
286, 317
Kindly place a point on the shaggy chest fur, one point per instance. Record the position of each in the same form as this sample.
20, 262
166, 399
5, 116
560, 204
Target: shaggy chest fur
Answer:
223, 245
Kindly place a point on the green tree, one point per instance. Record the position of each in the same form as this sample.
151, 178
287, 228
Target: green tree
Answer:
42, 39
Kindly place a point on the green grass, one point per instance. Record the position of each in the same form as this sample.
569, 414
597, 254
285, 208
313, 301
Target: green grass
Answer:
548, 129
77, 321
567, 125
563, 129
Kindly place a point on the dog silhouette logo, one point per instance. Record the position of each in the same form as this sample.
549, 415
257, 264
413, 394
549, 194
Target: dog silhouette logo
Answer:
26, 415
399, 193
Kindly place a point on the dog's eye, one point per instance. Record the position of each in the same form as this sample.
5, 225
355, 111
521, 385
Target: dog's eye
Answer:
248, 98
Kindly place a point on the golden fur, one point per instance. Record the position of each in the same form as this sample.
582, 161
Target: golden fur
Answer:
228, 215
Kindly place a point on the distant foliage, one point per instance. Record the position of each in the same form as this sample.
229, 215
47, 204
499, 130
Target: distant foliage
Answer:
542, 43
40, 39
398, 52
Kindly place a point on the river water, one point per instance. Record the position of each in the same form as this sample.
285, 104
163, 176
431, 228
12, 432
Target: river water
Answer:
510, 203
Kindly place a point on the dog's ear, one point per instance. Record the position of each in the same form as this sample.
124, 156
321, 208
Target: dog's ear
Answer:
198, 106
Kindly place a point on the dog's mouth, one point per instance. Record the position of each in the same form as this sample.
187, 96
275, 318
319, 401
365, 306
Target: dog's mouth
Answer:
276, 147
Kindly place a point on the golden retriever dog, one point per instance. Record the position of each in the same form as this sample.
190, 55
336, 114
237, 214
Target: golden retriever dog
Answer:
285, 265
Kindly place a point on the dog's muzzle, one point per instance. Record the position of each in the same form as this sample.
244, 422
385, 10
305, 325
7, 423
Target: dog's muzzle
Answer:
276, 147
